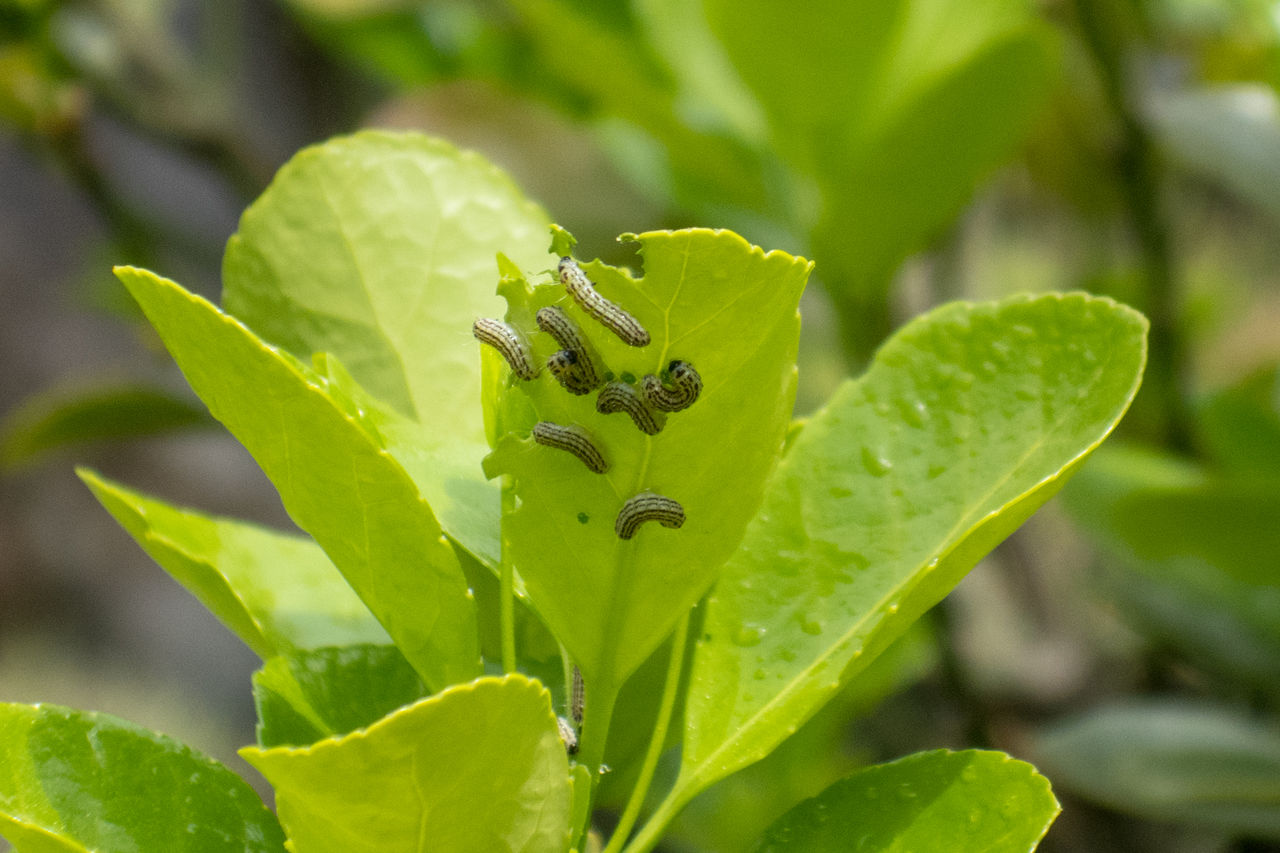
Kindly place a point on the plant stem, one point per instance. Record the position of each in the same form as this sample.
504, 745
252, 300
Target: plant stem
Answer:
506, 592
601, 697
669, 690
651, 833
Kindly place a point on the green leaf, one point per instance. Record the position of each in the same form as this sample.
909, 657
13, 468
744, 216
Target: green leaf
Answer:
943, 801
727, 308
274, 591
1171, 761
49, 422
380, 249
968, 420
335, 479
895, 109
307, 696
478, 767
1240, 426
78, 781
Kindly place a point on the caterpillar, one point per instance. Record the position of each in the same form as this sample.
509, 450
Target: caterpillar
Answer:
621, 397
577, 700
609, 315
568, 735
647, 506
556, 323
572, 439
563, 365
508, 341
688, 386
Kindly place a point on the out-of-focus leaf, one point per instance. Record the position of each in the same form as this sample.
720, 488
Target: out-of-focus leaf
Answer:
479, 767
1230, 134
307, 696
728, 309
381, 248
332, 473
1170, 761
932, 802
74, 781
1241, 426
967, 421
55, 420
274, 591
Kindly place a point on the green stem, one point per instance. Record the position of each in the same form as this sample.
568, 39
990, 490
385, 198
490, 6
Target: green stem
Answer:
601, 697
506, 592
669, 690
651, 833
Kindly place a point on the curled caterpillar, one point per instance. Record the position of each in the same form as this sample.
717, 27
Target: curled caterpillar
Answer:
647, 506
563, 365
556, 323
688, 386
612, 317
508, 341
621, 397
577, 700
572, 439
568, 735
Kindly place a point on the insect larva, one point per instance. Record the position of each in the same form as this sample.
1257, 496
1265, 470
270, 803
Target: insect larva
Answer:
688, 386
563, 365
577, 697
572, 439
621, 397
647, 506
556, 323
506, 340
612, 317
568, 735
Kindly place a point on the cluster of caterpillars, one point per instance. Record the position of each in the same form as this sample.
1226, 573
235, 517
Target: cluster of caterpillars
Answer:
577, 369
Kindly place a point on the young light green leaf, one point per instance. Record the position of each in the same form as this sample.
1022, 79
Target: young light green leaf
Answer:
307, 696
1171, 761
274, 591
48, 422
949, 802
968, 420
333, 476
478, 767
379, 248
728, 309
79, 781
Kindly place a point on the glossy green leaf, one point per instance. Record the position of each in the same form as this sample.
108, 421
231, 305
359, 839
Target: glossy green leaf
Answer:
335, 479
727, 308
274, 591
895, 109
1170, 761
380, 249
307, 696
74, 781
478, 767
48, 422
948, 802
968, 420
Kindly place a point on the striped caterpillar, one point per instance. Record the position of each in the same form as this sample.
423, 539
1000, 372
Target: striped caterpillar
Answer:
556, 323
577, 700
572, 439
612, 317
563, 365
621, 397
647, 506
568, 735
688, 386
508, 341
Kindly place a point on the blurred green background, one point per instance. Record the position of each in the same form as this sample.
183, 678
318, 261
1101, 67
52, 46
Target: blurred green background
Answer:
1127, 640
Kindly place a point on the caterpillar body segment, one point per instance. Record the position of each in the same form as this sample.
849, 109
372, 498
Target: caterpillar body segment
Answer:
572, 439
621, 397
556, 323
687, 382
647, 506
563, 365
568, 735
608, 314
507, 340
577, 697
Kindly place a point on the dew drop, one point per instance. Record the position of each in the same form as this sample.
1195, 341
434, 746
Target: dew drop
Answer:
893, 607
877, 465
